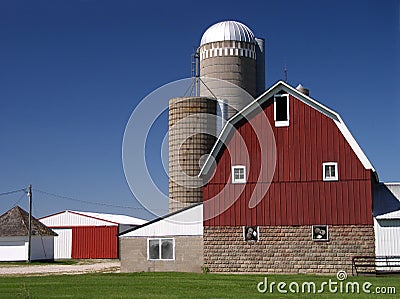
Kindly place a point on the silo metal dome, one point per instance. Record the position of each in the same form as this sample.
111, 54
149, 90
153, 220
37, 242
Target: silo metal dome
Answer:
227, 31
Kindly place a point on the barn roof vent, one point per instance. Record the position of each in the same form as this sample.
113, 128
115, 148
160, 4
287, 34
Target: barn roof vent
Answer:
303, 90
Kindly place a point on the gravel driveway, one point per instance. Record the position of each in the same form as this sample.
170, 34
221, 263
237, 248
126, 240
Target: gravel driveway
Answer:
82, 267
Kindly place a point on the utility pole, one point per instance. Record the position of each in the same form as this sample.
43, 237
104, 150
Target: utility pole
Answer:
30, 224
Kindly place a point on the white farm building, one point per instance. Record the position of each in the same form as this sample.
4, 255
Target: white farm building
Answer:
84, 235
387, 219
14, 230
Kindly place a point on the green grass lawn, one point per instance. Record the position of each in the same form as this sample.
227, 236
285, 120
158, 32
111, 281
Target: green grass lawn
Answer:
175, 285
41, 263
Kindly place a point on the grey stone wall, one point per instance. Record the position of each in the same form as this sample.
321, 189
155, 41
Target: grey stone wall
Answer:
188, 255
286, 249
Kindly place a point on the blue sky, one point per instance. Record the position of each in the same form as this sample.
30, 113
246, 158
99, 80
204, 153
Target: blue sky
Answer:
71, 73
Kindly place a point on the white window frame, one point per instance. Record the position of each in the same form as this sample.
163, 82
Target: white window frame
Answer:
241, 180
282, 123
159, 248
327, 233
324, 174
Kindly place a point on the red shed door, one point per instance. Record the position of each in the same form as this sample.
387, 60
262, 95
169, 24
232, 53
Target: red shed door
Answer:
94, 242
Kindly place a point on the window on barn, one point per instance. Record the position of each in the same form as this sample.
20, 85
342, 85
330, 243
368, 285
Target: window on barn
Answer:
161, 249
330, 171
250, 233
238, 174
281, 110
320, 233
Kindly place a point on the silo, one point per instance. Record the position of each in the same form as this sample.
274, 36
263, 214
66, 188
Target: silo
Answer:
228, 59
189, 120
228, 51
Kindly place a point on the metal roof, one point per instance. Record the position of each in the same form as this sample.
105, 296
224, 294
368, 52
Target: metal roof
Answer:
78, 218
227, 30
387, 201
185, 222
120, 219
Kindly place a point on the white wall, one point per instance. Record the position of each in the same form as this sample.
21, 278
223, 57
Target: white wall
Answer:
16, 248
13, 249
42, 248
387, 236
63, 243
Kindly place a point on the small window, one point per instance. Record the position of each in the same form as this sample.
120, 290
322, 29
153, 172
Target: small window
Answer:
160, 249
250, 233
320, 233
238, 174
281, 110
330, 171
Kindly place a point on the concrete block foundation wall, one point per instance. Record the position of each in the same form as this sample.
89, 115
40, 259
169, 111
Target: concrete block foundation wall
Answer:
188, 255
286, 249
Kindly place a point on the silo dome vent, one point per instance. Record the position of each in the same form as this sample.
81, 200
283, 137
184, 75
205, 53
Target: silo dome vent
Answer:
227, 31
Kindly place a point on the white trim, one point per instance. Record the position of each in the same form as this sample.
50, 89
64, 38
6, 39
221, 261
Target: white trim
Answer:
159, 249
280, 85
282, 123
324, 174
239, 180
225, 51
353, 144
320, 240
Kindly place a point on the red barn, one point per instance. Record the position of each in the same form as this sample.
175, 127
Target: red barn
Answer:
291, 190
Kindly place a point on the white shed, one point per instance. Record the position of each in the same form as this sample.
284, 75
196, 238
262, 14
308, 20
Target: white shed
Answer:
387, 219
88, 234
14, 229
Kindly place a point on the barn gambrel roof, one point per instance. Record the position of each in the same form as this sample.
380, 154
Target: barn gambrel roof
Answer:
277, 87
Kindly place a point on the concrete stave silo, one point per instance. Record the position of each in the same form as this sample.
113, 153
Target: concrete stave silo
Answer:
191, 135
232, 73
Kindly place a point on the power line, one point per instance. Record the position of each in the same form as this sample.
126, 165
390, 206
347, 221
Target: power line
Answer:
91, 202
11, 192
20, 198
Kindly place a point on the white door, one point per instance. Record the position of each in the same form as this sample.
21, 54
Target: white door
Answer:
62, 243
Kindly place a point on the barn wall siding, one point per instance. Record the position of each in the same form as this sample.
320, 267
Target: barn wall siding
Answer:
298, 195
285, 249
286, 203
94, 242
